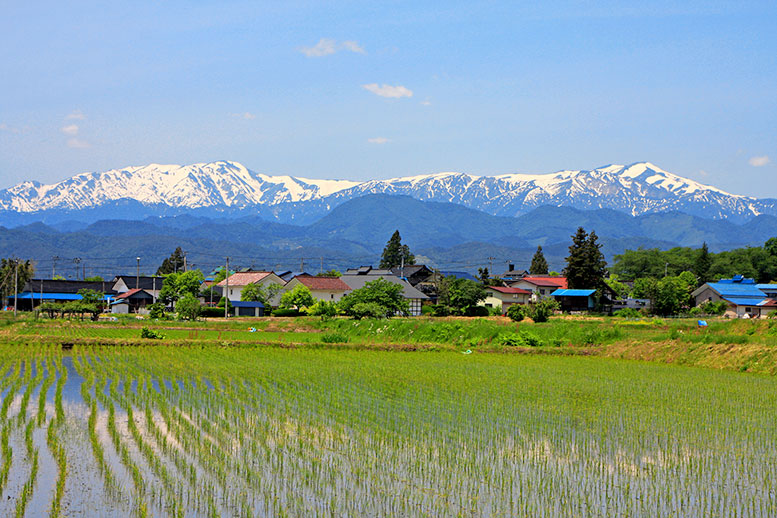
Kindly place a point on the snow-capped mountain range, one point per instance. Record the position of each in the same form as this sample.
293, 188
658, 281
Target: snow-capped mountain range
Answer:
226, 186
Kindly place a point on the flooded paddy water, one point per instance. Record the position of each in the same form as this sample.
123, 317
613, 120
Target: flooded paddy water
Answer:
193, 431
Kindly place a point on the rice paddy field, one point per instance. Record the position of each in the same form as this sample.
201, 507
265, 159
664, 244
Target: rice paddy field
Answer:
156, 429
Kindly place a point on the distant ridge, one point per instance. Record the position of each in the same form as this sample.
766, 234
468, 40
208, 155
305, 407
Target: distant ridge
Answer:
229, 188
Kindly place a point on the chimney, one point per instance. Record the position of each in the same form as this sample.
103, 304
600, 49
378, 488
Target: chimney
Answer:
510, 267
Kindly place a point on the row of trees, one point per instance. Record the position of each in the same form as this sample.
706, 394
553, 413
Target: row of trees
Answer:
758, 262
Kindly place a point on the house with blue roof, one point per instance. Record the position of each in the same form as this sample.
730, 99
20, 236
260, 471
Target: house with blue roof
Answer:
745, 297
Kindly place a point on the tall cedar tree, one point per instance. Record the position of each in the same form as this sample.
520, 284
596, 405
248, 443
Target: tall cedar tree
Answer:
172, 264
586, 267
539, 266
702, 265
395, 251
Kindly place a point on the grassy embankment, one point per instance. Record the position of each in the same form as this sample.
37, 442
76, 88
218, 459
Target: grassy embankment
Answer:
730, 344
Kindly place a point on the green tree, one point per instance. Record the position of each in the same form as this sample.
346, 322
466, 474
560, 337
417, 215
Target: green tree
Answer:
172, 264
461, 294
645, 288
254, 293
617, 286
703, 264
330, 273
7, 269
586, 267
395, 253
188, 307
484, 276
380, 292
94, 278
176, 285
539, 266
299, 297
671, 296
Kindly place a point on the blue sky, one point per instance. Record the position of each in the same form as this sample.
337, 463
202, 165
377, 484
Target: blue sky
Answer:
364, 90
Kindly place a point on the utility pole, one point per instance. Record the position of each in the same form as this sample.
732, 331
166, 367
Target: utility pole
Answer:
402, 267
54, 260
15, 286
137, 275
322, 266
184, 262
491, 265
301, 264
77, 260
226, 292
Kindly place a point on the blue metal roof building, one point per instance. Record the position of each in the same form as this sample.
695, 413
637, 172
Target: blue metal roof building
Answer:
744, 294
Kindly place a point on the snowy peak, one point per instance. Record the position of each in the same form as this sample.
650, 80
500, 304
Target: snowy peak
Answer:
636, 189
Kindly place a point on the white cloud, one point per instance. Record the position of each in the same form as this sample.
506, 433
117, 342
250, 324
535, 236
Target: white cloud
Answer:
426, 103
77, 143
327, 46
76, 115
759, 161
378, 140
245, 115
395, 92
353, 47
71, 129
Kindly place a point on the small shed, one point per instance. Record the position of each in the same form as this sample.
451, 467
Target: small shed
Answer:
575, 300
247, 309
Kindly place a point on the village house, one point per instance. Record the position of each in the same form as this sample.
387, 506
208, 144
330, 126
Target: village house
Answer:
132, 301
744, 297
541, 286
356, 278
238, 281
322, 288
505, 297
151, 284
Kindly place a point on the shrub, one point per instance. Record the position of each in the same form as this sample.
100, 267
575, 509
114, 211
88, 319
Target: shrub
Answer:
151, 334
188, 307
520, 339
334, 338
156, 310
495, 311
324, 308
284, 312
440, 310
368, 310
628, 313
476, 311
516, 312
542, 310
212, 312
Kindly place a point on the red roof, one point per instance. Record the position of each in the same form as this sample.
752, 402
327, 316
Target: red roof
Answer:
768, 303
543, 280
323, 283
244, 278
127, 294
503, 289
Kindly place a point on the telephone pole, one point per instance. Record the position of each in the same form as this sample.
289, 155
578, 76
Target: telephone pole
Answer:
322, 266
137, 275
226, 292
15, 286
54, 260
184, 262
301, 264
77, 261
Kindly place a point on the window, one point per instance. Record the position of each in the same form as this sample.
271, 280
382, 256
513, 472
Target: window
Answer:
542, 291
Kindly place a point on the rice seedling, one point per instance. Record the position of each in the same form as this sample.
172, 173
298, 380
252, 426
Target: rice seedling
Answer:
213, 431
